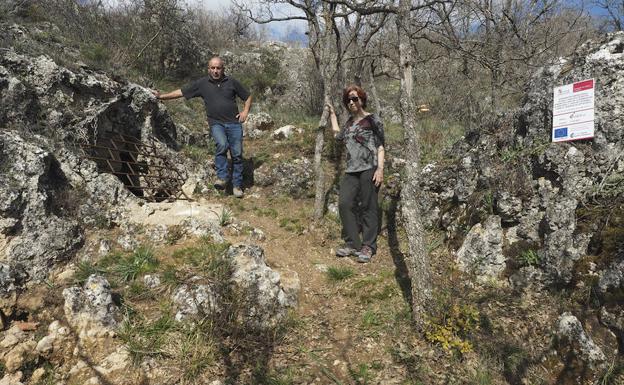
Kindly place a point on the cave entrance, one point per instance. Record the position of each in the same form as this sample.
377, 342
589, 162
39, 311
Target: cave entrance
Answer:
140, 166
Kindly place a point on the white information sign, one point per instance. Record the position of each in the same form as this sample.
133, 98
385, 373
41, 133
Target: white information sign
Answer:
573, 111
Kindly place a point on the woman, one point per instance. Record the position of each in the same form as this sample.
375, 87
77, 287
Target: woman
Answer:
363, 136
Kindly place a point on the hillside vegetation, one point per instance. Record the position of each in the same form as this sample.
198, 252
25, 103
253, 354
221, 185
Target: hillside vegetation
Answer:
524, 236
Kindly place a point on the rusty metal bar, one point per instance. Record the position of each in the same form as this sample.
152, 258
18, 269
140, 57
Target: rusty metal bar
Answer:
157, 183
125, 161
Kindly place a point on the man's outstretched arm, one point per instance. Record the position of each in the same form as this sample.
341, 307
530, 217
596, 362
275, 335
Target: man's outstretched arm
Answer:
169, 95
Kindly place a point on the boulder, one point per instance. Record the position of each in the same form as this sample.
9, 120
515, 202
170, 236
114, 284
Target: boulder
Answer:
194, 299
294, 178
257, 124
266, 294
90, 309
583, 359
270, 296
482, 251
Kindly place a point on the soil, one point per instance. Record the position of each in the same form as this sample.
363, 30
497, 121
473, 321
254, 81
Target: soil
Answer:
345, 331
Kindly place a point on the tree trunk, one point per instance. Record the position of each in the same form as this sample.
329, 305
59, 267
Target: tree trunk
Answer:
319, 192
418, 260
373, 89
331, 70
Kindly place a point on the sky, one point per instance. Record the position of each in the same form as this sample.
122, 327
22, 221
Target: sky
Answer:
286, 30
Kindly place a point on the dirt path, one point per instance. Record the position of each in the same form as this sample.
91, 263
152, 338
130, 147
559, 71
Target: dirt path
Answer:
345, 331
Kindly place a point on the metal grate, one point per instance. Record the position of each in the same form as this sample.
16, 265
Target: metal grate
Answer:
138, 165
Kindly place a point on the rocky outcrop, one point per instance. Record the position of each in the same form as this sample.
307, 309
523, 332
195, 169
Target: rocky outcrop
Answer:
53, 182
38, 211
294, 177
262, 295
548, 196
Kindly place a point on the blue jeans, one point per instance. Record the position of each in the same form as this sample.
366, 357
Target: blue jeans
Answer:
228, 136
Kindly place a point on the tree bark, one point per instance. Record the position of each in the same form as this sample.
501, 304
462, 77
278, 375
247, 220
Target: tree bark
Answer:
319, 192
418, 260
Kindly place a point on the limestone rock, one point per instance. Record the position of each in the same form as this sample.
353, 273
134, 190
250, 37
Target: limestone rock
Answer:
151, 281
482, 252
612, 279
285, 132
16, 357
294, 178
572, 337
12, 379
270, 297
194, 299
91, 309
257, 124
31, 191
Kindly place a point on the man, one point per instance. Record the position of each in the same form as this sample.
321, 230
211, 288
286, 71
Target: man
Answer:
219, 93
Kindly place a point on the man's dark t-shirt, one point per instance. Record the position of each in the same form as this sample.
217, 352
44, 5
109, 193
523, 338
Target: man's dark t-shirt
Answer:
219, 97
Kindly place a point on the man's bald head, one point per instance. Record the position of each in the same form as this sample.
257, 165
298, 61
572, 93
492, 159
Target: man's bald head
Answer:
215, 68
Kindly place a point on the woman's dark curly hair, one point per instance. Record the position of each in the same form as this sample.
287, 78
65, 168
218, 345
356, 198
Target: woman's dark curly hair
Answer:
361, 94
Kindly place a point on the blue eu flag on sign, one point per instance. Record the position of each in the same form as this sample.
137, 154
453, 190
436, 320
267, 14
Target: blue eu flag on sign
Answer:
561, 132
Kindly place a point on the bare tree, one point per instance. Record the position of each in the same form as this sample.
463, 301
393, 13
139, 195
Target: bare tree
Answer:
614, 13
508, 39
418, 258
411, 19
332, 32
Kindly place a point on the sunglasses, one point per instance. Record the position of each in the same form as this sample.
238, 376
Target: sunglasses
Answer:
353, 99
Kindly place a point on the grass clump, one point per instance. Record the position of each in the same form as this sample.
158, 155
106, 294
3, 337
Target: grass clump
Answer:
225, 217
145, 338
336, 274
119, 267
197, 153
614, 373
528, 258
266, 212
379, 287
194, 350
371, 319
85, 270
293, 225
139, 262
362, 374
206, 257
